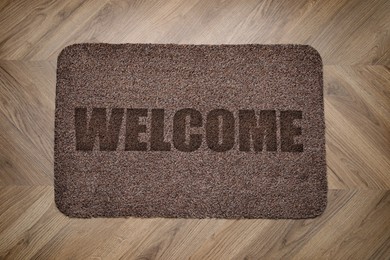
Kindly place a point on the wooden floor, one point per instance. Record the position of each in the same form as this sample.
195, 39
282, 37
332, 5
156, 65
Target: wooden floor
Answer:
353, 38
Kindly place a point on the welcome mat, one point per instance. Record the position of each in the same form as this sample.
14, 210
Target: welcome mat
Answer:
191, 131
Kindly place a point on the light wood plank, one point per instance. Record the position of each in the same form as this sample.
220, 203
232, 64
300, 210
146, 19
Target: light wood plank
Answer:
354, 41
354, 225
27, 94
357, 108
323, 24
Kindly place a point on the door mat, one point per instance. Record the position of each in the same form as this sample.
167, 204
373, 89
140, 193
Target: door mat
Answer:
190, 131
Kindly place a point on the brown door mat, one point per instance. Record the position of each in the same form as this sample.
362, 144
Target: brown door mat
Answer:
190, 131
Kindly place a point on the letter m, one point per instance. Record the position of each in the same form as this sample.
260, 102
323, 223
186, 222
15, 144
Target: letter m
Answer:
86, 132
261, 131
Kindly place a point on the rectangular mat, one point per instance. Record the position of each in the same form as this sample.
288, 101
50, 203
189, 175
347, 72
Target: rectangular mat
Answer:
192, 131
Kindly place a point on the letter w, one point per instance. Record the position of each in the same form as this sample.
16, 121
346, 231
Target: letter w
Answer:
108, 134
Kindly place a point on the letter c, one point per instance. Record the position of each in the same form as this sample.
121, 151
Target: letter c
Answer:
179, 130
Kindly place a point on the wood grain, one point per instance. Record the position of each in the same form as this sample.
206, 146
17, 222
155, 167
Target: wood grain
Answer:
353, 39
353, 227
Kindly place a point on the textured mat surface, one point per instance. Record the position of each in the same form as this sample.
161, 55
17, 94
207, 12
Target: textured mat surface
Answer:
194, 131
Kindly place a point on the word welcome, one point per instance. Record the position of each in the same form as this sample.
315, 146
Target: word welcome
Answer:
257, 130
